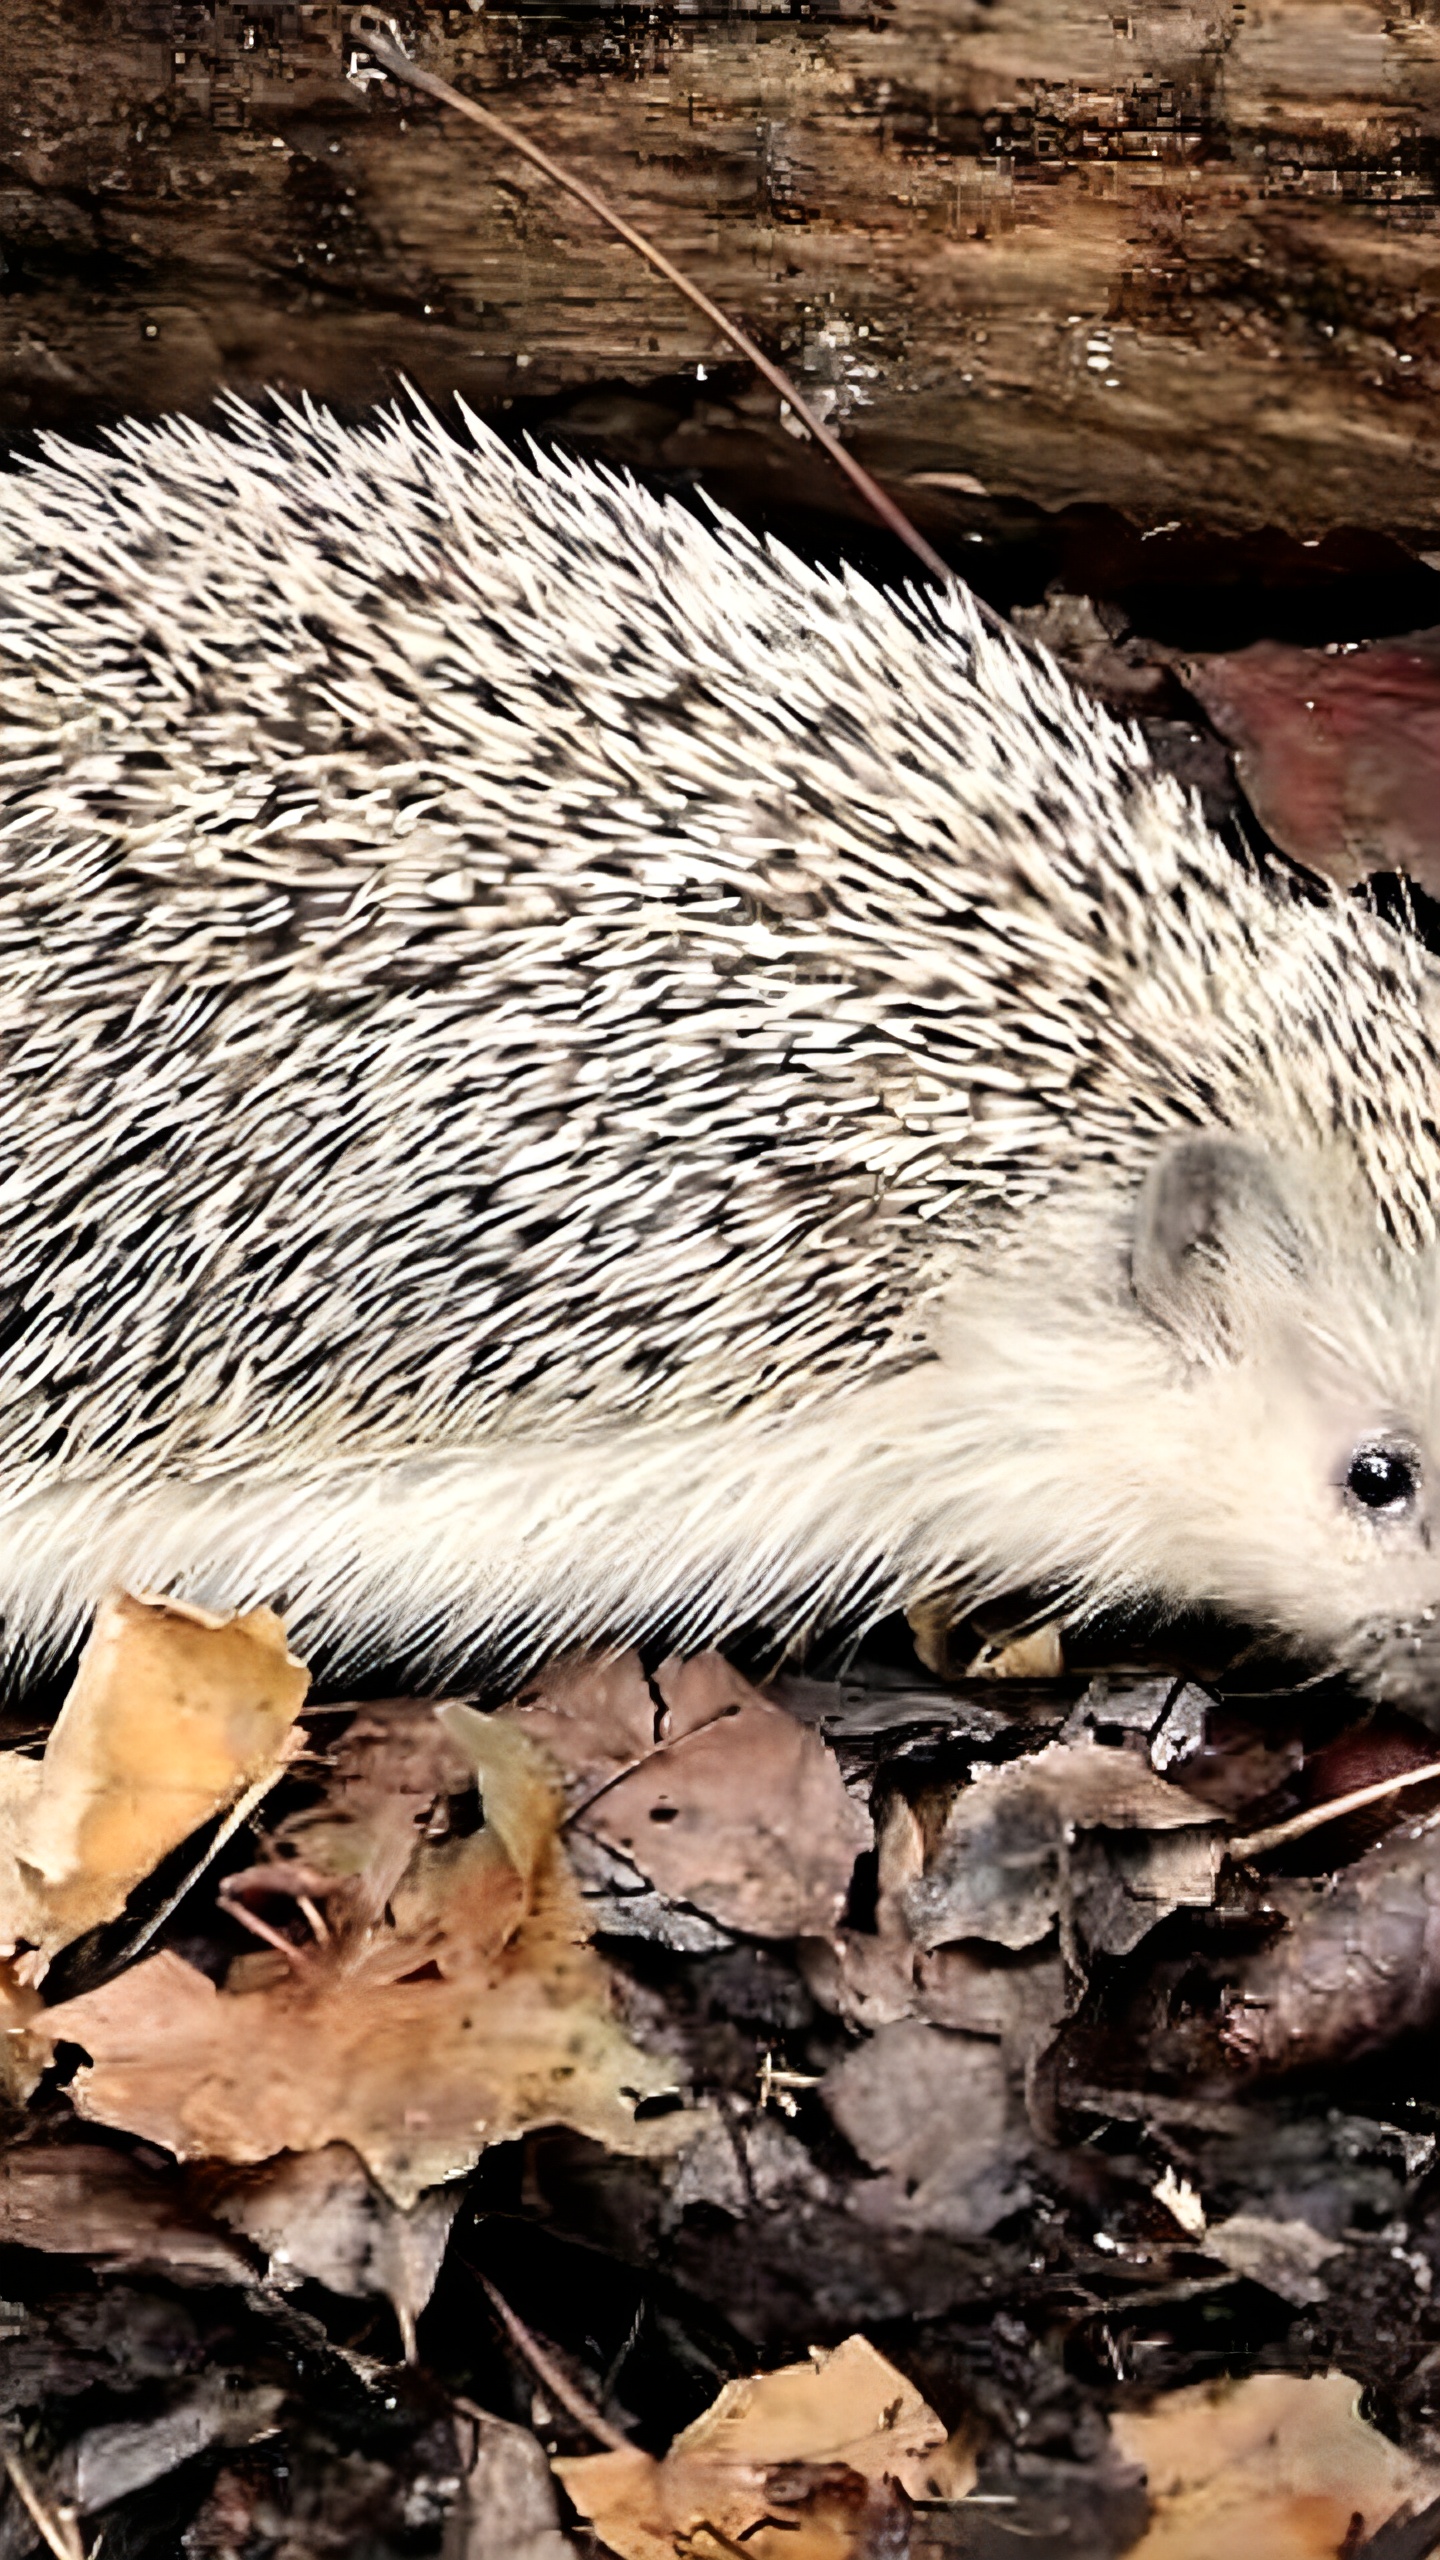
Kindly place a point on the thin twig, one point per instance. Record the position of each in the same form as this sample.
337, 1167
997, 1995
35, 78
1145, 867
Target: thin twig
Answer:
1258, 1844
558, 2384
397, 65
57, 2528
301, 1965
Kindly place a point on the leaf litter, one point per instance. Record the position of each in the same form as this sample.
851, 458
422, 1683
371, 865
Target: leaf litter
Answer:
466, 1953
918, 2010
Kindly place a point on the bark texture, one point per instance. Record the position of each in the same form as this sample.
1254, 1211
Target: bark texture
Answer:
1175, 257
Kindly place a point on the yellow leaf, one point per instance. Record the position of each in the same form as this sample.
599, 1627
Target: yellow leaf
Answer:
780, 2463
174, 1712
1278, 2463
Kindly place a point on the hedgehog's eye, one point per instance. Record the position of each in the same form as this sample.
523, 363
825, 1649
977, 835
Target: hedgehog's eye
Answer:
1382, 1477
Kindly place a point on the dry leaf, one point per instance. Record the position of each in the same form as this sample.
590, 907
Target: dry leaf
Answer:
874, 1979
1007, 1862
931, 2111
1358, 1966
467, 2011
1287, 2258
113, 2462
387, 1776
507, 2508
718, 1797
174, 1712
780, 2464
1275, 2465
316, 2214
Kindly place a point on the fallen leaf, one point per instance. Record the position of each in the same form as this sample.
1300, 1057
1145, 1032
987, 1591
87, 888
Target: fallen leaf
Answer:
121, 2457
1338, 754
740, 2164
507, 2507
388, 1776
873, 1979
1275, 2464
779, 2464
174, 1712
621, 1903
930, 2110
1358, 1966
1287, 2258
718, 1797
1007, 1863
466, 2011
113, 2462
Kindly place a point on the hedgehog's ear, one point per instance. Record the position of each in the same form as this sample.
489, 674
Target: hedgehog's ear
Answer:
1213, 1236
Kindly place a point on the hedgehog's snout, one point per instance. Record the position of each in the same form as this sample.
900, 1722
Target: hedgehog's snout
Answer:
1396, 1662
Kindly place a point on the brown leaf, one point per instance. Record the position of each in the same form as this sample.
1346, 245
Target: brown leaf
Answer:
1358, 1966
1339, 754
507, 2508
779, 2465
730, 1805
1287, 2258
115, 2461
479, 1966
1274, 2465
874, 1980
931, 2110
174, 1712
387, 1774
1003, 1867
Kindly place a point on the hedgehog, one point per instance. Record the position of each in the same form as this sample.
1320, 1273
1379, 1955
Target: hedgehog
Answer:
574, 1079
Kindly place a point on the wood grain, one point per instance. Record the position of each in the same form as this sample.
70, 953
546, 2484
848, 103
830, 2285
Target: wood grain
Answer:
1178, 259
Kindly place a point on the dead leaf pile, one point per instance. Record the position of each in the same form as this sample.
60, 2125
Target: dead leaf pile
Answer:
403, 1976
992, 1891
448, 2000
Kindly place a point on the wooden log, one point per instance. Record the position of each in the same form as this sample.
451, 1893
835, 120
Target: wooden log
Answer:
1175, 257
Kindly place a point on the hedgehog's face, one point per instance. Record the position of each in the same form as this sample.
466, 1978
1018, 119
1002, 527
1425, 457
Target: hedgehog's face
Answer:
1307, 1430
